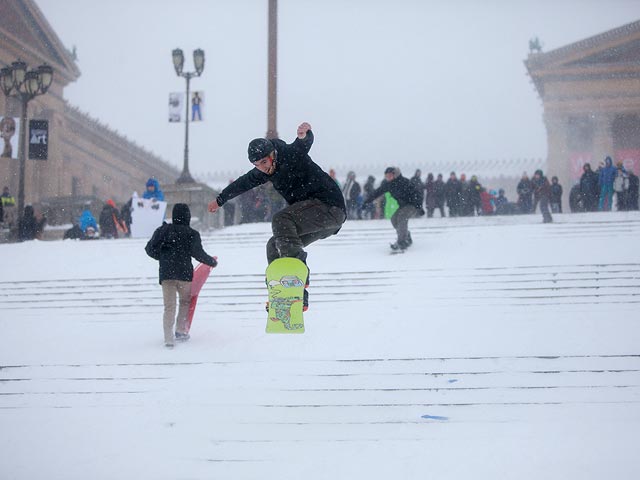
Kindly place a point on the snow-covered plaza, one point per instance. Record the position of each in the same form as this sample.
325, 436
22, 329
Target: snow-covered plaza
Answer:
495, 348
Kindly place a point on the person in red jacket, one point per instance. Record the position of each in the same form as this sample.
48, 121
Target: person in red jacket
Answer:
486, 202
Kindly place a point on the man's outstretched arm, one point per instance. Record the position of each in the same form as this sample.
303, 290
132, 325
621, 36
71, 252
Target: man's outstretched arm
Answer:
304, 138
243, 184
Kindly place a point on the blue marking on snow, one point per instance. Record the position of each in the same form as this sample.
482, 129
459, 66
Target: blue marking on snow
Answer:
435, 417
453, 380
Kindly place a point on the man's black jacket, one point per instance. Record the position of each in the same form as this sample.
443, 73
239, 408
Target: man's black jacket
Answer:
296, 177
589, 183
174, 245
402, 190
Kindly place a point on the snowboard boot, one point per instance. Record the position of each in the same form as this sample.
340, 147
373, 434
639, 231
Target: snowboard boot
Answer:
182, 337
399, 246
169, 345
305, 300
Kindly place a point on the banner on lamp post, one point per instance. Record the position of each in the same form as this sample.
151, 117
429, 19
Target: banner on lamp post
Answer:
9, 135
176, 107
38, 139
197, 104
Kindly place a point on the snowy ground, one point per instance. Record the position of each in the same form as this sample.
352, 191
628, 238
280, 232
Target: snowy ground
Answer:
495, 348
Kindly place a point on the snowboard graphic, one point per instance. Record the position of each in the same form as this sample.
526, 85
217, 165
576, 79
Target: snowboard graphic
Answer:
200, 275
285, 278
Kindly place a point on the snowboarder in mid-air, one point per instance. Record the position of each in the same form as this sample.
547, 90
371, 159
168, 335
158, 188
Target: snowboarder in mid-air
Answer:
316, 207
409, 199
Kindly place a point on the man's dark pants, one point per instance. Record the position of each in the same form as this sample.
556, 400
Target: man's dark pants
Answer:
400, 221
300, 224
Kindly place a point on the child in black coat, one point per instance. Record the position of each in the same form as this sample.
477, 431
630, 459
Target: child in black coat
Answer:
173, 245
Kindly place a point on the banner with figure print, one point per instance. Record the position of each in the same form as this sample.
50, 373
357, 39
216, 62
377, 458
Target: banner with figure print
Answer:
197, 103
38, 139
9, 134
176, 107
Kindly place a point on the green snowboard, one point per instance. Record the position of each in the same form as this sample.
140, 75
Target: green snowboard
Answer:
285, 279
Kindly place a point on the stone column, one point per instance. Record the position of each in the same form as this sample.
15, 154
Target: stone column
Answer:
558, 158
602, 137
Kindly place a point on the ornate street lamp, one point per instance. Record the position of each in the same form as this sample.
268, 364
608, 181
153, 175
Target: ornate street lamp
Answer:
16, 81
178, 64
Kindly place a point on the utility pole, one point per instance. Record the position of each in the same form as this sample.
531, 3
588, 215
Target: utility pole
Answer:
272, 74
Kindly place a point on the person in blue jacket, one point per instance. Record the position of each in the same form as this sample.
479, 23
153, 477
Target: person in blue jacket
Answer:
606, 177
87, 220
153, 190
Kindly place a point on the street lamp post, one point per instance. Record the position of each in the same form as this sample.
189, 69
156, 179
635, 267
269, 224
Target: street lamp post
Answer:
17, 82
178, 63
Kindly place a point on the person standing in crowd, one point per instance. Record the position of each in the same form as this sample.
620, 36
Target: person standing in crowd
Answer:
351, 192
8, 207
332, 174
502, 204
440, 190
452, 194
589, 190
416, 180
173, 245
606, 177
430, 194
465, 209
29, 227
153, 190
542, 191
475, 189
555, 196
525, 193
409, 200
621, 187
7, 198
230, 211
368, 210
632, 194
110, 221
316, 208
125, 215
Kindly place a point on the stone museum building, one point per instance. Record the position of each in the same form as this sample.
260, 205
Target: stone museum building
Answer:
87, 161
590, 92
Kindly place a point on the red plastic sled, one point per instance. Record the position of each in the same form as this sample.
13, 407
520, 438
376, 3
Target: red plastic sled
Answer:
200, 275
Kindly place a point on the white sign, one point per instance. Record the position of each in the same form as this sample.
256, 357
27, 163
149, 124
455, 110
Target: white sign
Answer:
176, 107
146, 215
9, 134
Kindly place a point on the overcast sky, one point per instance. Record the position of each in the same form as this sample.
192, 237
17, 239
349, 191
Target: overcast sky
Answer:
380, 81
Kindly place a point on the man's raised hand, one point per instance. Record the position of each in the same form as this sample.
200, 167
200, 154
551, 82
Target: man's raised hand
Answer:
303, 129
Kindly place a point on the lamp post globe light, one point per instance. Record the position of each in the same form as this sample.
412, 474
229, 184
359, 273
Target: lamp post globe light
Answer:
16, 81
178, 64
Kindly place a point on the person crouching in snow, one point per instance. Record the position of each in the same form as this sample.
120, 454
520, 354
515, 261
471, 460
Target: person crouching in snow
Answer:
409, 199
173, 245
